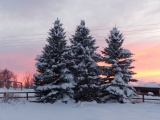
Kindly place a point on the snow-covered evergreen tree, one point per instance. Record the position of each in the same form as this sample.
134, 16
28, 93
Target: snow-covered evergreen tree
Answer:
54, 81
84, 67
119, 72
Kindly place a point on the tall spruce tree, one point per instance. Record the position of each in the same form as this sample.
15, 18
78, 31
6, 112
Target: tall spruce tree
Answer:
84, 67
54, 81
119, 72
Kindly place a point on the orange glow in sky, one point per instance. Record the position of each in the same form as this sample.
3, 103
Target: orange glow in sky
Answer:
147, 64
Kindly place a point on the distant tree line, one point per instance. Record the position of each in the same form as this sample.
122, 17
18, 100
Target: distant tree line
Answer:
71, 73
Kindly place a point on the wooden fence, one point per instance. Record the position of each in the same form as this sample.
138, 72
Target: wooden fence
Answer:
28, 95
143, 97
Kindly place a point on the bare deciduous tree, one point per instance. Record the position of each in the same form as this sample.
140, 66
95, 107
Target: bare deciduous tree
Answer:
6, 75
28, 80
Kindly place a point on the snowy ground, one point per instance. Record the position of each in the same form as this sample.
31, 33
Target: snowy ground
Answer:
84, 111
21, 109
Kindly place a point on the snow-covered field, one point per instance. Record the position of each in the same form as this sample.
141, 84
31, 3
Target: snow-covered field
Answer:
21, 109
83, 111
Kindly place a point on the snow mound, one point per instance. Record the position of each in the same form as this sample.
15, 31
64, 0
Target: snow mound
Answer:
84, 104
125, 51
151, 84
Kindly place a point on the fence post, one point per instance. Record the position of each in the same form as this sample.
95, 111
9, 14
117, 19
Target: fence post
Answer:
27, 95
4, 95
143, 97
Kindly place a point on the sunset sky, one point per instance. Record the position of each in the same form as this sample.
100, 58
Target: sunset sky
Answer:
24, 25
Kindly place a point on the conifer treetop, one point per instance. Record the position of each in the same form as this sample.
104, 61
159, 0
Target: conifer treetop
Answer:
57, 30
83, 38
82, 30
